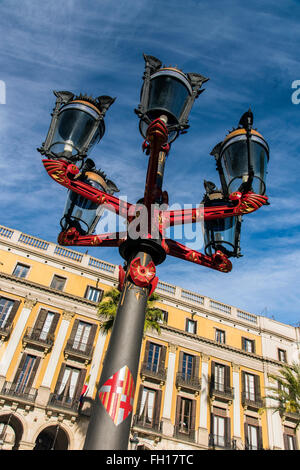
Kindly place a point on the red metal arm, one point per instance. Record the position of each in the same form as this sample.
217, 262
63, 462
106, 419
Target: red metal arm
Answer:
72, 237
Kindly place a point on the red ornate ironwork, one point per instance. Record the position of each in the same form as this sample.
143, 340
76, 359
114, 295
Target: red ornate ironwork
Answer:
141, 275
157, 147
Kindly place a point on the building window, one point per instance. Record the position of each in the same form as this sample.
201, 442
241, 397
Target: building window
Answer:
219, 383
185, 415
93, 294
252, 435
219, 431
191, 326
67, 388
146, 411
164, 316
46, 326
5, 309
248, 345
249, 387
82, 335
289, 438
187, 366
21, 270
220, 336
58, 282
282, 355
153, 357
25, 373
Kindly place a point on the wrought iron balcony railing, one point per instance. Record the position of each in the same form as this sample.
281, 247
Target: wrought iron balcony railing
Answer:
18, 392
61, 402
37, 337
154, 372
188, 382
145, 423
5, 331
183, 433
220, 390
79, 350
252, 400
222, 442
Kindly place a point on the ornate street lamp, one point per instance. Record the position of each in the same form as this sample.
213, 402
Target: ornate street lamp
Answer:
169, 94
242, 159
81, 213
77, 125
166, 99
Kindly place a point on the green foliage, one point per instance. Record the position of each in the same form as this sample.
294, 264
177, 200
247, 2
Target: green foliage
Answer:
108, 309
286, 392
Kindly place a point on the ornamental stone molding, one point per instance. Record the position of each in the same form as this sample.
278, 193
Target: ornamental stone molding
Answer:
68, 315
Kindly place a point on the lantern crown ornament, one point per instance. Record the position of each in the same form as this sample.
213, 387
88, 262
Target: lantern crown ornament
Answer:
168, 94
242, 158
77, 124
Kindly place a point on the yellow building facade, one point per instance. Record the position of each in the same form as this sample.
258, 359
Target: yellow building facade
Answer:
202, 381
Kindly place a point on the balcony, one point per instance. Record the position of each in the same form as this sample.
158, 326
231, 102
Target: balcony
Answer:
220, 391
188, 383
79, 351
142, 422
251, 400
38, 339
24, 395
184, 434
152, 372
67, 404
5, 332
221, 442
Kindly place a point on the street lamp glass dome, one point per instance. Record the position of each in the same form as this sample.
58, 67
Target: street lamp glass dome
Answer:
243, 161
81, 213
168, 95
220, 234
77, 129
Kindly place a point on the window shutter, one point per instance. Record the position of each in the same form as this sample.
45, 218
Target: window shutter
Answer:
246, 436
227, 377
162, 359
243, 382
21, 365
79, 385
180, 361
177, 417
254, 346
147, 347
243, 343
138, 406
39, 323
74, 330
227, 432
257, 386
193, 415
196, 364
212, 377
54, 323
33, 372
13, 312
259, 438
60, 377
92, 336
157, 405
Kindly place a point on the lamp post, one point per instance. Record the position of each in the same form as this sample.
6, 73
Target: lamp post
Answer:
167, 97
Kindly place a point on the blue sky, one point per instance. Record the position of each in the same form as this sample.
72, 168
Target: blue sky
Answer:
250, 52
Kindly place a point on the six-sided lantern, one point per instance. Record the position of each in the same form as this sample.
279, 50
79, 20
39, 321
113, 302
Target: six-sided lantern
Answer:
77, 124
169, 94
81, 213
221, 234
242, 159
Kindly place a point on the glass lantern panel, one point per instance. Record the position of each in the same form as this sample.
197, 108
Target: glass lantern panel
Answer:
80, 212
236, 168
167, 96
73, 129
220, 235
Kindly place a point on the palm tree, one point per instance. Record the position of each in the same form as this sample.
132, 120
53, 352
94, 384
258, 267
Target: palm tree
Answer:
287, 390
108, 309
